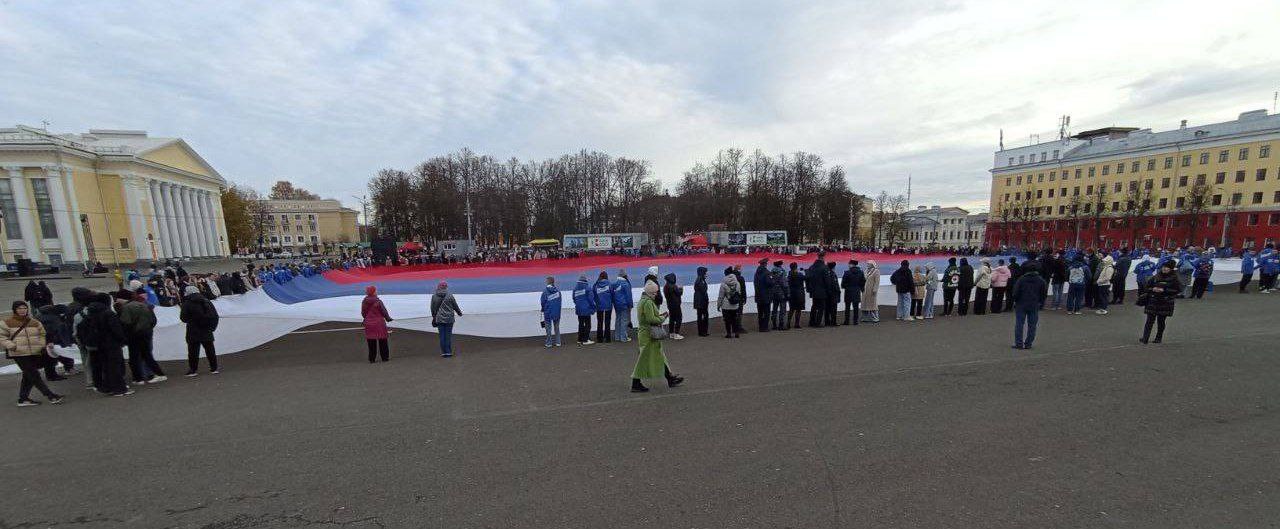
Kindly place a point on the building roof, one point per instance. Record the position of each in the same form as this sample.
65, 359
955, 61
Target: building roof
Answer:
307, 206
100, 142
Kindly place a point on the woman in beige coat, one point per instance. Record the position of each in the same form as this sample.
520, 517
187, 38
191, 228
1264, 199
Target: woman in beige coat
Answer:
23, 340
870, 306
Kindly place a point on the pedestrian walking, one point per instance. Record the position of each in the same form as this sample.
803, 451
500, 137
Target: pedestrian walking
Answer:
550, 304
652, 362
201, 318
584, 305
23, 339
729, 303
1028, 294
374, 315
702, 302
871, 293
1246, 269
1158, 300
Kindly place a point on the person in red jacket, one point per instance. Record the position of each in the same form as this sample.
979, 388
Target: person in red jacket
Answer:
375, 317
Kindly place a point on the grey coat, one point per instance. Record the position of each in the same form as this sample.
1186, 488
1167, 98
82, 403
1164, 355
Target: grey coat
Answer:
444, 309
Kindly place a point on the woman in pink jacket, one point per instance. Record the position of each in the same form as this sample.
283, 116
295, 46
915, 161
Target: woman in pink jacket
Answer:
375, 324
999, 285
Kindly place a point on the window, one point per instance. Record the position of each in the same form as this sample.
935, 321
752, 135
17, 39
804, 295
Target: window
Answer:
1134, 167
1052, 174
1235, 199
1262, 174
1239, 176
1276, 197
1040, 193
1106, 170
1115, 206
1022, 158
1200, 179
284, 218
297, 217
1164, 183
1186, 160
1204, 158
1088, 190
1077, 173
1019, 179
299, 227
1168, 162
1051, 192
44, 208
274, 239
1006, 197
1217, 200
314, 239
1151, 164
288, 239
1220, 178
1263, 151
1087, 207
11, 229
1180, 202
1257, 197
1044, 156
1093, 171
1160, 222
1119, 168
1062, 192
311, 218
124, 243
1273, 219
1182, 181
1252, 219
1075, 192
1010, 160
1008, 181
1118, 187
1223, 155
1244, 153
1062, 210
1055, 154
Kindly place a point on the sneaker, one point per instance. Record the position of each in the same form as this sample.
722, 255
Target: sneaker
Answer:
214, 372
56, 377
677, 337
191, 374
446, 356
157, 378
138, 382
1101, 312
588, 342
56, 399
124, 393
27, 403
558, 344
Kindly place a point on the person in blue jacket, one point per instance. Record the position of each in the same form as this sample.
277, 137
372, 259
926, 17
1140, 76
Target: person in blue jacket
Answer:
1268, 265
603, 291
551, 312
1246, 269
1142, 272
1186, 267
1202, 273
623, 302
584, 305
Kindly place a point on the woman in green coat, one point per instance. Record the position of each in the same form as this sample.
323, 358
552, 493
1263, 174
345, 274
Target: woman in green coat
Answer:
652, 363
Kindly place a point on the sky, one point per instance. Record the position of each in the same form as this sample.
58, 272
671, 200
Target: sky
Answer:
326, 93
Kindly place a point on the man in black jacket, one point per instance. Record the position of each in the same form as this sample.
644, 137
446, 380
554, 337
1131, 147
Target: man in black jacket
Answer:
1028, 296
1015, 272
816, 284
966, 287
201, 318
853, 282
701, 303
833, 295
1118, 278
903, 284
764, 294
100, 329
795, 305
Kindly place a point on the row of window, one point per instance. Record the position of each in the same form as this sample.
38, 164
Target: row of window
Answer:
285, 228
1044, 157
289, 239
946, 235
1163, 203
44, 209
1252, 219
1264, 151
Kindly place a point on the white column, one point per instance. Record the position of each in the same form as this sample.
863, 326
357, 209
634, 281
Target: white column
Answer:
171, 216
221, 245
206, 223
61, 217
26, 215
196, 229
137, 223
161, 229
188, 221
202, 224
82, 249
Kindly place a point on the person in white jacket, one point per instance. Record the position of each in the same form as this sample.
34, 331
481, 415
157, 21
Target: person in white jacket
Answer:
1105, 271
982, 285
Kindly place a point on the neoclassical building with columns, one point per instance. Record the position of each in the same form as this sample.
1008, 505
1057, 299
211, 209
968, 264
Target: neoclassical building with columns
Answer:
115, 196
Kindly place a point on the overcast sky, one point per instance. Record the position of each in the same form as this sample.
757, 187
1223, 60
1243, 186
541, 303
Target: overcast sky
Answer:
326, 93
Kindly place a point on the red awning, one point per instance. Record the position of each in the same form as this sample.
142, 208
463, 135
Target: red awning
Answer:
411, 246
696, 240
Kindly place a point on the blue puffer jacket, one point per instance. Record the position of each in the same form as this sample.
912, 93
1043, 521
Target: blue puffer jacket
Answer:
584, 300
1246, 262
551, 305
622, 297
1268, 263
604, 295
1143, 271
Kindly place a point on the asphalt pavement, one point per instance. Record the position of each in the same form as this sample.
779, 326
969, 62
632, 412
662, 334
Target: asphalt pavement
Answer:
926, 424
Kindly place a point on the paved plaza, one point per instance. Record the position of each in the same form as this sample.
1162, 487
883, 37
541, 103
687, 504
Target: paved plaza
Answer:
936, 424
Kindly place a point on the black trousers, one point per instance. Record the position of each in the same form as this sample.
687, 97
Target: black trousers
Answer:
762, 314
584, 328
1117, 291
731, 322
795, 309
980, 301
1089, 290
111, 360
833, 305
604, 326
30, 366
142, 357
962, 305
378, 346
675, 318
1146, 328
997, 300
51, 363
917, 307
193, 356
1244, 280
1198, 286
851, 313
704, 321
948, 300
817, 316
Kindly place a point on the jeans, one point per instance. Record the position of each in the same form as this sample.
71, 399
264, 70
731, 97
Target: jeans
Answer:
553, 330
779, 309
928, 302
1057, 295
584, 329
904, 305
142, 363
1103, 296
621, 324
446, 339
1030, 317
193, 356
1075, 297
30, 366
377, 346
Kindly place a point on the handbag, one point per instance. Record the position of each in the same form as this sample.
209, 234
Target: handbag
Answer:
1143, 298
658, 332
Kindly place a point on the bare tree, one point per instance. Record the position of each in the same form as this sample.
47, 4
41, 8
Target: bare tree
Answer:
1194, 207
1136, 212
1097, 208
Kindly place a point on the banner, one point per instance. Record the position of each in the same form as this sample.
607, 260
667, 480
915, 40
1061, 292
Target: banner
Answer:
599, 243
757, 239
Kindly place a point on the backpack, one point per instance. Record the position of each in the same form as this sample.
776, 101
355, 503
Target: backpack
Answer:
1077, 276
736, 297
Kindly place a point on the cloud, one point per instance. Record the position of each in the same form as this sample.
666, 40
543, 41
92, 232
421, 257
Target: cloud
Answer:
327, 93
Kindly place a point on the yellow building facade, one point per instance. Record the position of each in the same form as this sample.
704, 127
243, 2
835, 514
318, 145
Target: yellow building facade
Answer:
1226, 175
114, 196
311, 225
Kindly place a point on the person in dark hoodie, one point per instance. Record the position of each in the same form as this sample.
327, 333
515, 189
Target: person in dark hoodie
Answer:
702, 302
100, 329
1015, 272
37, 295
780, 291
139, 323
816, 284
763, 294
76, 312
833, 295
201, 318
1161, 294
674, 294
795, 305
58, 334
853, 282
903, 283
1028, 295
1119, 277
965, 291
950, 283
